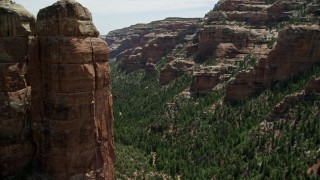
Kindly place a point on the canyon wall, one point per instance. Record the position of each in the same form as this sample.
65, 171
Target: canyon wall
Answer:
140, 44
297, 50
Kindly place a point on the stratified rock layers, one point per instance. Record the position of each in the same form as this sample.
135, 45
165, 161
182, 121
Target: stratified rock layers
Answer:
297, 50
71, 97
16, 149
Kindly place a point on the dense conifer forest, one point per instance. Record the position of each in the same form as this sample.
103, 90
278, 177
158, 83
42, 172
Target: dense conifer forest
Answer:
164, 131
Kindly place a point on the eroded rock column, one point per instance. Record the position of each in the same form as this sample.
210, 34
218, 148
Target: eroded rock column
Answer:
16, 149
71, 97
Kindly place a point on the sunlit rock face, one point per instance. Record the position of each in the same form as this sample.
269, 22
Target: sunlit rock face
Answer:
16, 148
71, 98
297, 50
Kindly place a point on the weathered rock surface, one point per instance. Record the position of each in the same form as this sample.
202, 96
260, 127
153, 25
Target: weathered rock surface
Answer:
209, 77
131, 37
16, 148
65, 18
136, 45
297, 50
15, 20
71, 98
158, 46
174, 69
234, 28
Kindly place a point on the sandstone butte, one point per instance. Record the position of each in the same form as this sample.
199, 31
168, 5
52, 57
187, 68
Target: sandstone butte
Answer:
68, 131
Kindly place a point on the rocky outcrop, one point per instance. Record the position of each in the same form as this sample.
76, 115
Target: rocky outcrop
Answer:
16, 148
313, 86
243, 26
134, 36
136, 45
209, 77
174, 69
158, 46
72, 119
281, 112
297, 50
234, 28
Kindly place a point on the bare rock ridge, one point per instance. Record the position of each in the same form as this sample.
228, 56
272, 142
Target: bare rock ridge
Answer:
69, 132
297, 49
16, 145
140, 44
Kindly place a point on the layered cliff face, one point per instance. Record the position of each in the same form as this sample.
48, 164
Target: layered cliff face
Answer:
244, 25
147, 43
71, 97
174, 69
297, 50
236, 29
239, 24
16, 148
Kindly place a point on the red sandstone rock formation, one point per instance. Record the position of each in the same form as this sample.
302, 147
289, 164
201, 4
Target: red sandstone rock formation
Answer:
136, 45
71, 97
158, 45
16, 148
297, 50
242, 25
209, 77
136, 35
173, 70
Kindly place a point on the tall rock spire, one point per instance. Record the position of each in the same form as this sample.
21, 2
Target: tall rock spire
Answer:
71, 97
16, 149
